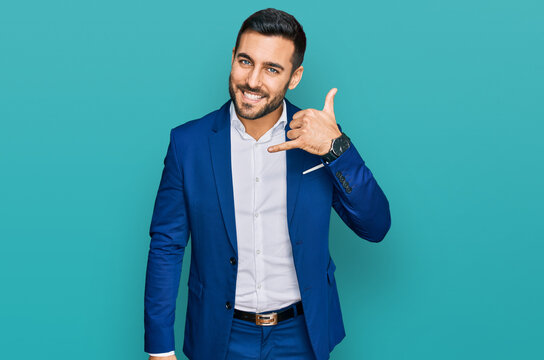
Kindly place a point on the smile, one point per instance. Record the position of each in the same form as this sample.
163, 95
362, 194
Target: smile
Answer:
251, 97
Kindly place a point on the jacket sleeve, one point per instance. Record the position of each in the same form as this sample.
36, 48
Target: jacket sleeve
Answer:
169, 233
357, 197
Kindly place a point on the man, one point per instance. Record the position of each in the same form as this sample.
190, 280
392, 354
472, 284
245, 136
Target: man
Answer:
253, 184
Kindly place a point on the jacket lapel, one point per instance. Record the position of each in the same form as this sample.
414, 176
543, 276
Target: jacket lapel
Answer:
219, 141
295, 166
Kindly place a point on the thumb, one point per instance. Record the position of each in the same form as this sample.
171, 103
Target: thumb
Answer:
329, 101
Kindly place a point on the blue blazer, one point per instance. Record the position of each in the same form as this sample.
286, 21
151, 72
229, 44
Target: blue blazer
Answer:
195, 198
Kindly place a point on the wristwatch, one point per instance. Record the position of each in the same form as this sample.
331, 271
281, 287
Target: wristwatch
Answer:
338, 146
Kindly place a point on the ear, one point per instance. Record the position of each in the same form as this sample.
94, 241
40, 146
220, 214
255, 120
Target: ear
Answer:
295, 78
232, 59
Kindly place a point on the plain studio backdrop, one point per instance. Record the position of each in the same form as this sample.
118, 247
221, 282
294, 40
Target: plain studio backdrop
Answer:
443, 99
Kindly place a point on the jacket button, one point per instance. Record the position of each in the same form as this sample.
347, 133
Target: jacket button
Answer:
338, 174
348, 189
228, 305
233, 260
345, 185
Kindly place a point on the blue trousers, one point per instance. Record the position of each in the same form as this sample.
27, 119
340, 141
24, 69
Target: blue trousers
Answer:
287, 340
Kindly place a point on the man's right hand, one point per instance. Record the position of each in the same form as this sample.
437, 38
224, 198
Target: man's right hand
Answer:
171, 357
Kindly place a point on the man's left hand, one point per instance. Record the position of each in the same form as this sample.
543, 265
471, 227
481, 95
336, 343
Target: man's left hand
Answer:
312, 130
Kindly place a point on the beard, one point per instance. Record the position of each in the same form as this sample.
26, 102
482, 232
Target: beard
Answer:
247, 111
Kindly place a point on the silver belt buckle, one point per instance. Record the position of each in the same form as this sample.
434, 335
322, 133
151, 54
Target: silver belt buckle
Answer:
266, 319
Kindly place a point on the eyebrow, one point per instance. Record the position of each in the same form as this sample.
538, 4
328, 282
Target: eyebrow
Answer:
267, 63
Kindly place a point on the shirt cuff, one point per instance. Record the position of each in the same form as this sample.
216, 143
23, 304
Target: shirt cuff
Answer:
163, 354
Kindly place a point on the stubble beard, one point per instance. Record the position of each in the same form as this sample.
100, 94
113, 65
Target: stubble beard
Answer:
245, 111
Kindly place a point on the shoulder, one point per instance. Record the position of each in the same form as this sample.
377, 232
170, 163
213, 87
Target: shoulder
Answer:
201, 126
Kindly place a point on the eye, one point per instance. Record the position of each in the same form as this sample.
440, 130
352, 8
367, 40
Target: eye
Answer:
245, 62
272, 70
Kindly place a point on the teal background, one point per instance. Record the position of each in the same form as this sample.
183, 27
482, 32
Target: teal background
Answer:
442, 99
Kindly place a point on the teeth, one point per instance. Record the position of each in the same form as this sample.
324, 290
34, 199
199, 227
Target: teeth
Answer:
252, 97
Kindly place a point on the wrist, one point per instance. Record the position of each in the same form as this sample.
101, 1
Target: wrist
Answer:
338, 146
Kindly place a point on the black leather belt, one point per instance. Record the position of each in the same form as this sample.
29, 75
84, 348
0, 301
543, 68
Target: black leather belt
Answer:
270, 318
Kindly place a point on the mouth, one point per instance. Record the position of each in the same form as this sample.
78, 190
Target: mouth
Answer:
251, 97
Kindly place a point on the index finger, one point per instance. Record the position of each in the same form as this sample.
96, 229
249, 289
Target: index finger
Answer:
291, 144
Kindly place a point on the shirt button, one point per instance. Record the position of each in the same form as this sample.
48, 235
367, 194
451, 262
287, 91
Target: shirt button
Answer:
256, 215
257, 179
259, 286
258, 251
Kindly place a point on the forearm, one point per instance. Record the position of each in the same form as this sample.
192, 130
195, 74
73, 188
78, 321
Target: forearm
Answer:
357, 197
169, 233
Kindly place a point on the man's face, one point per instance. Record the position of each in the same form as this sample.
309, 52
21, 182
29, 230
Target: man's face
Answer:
261, 74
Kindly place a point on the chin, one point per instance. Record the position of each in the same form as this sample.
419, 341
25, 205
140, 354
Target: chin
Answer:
248, 110
248, 115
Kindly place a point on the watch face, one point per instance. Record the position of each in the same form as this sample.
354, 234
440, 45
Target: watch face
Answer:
340, 145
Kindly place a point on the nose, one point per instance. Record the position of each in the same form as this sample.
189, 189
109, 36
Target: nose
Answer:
254, 78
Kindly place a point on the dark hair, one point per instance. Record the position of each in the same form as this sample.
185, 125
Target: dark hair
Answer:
276, 22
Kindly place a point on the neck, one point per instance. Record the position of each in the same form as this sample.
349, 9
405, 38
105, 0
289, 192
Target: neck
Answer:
258, 127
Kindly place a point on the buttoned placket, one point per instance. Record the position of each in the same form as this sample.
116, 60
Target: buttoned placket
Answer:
257, 231
259, 149
276, 133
